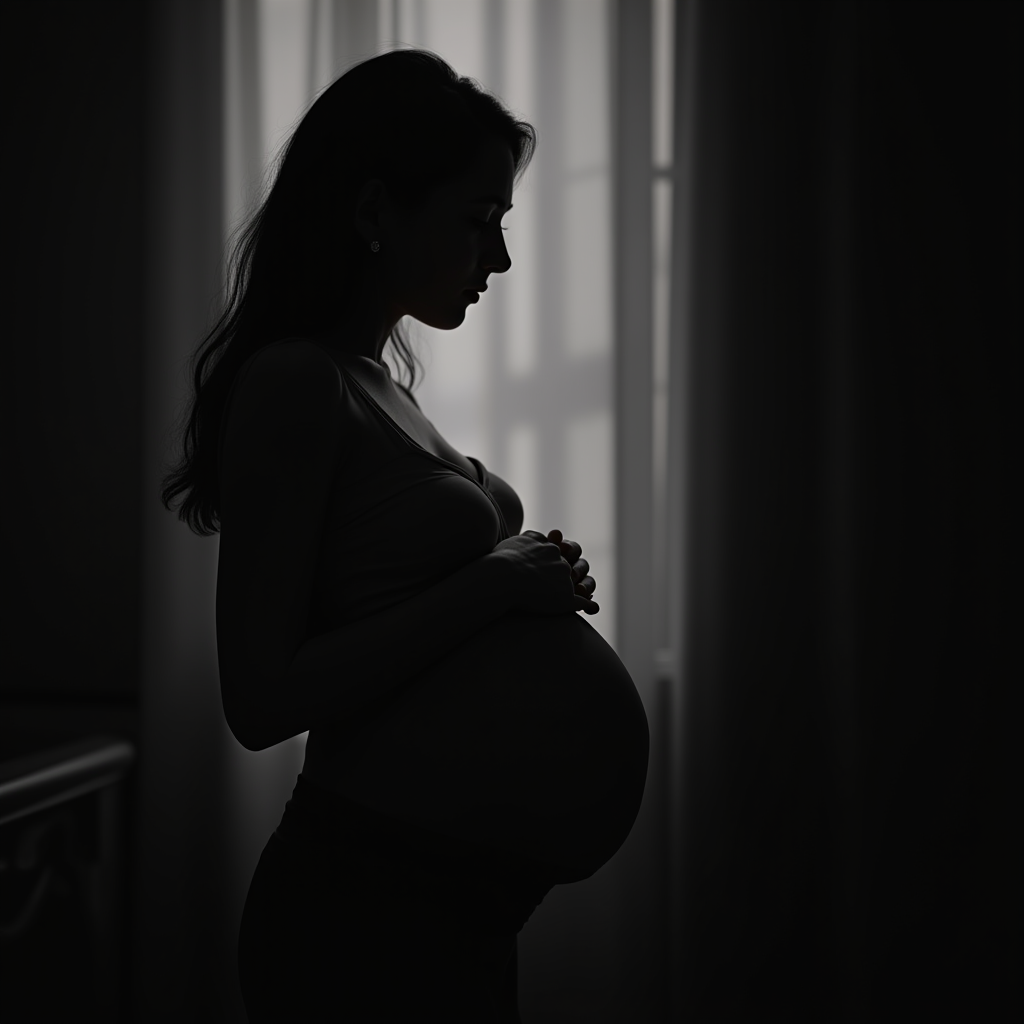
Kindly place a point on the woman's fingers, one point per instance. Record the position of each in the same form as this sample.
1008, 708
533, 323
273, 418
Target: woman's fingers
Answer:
571, 551
586, 586
583, 583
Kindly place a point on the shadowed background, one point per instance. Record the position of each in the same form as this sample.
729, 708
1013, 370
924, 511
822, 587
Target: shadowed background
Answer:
765, 289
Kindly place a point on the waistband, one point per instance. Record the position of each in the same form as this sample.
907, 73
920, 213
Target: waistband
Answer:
496, 892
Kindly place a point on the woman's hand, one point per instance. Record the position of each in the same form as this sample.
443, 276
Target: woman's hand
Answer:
541, 579
571, 552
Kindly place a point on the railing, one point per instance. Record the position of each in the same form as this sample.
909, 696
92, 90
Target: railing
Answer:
62, 881
34, 782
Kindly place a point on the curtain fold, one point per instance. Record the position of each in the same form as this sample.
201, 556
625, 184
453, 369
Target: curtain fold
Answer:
848, 360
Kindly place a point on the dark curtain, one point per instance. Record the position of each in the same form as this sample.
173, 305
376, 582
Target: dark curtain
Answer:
852, 817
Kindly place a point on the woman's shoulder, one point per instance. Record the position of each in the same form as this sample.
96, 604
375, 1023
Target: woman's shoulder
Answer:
282, 387
297, 352
294, 366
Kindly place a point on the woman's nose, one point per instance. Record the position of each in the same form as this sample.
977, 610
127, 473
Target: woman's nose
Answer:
498, 261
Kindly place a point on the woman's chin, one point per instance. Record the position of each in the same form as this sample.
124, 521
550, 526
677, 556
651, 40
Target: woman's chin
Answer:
446, 321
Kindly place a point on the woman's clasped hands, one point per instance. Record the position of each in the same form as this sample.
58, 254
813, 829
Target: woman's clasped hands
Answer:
549, 574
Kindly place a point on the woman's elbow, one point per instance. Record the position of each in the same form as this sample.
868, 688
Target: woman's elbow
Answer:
247, 735
257, 732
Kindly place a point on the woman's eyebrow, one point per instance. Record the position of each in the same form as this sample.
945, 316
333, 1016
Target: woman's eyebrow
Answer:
493, 199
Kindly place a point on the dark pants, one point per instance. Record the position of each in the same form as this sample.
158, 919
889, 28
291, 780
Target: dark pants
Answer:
351, 916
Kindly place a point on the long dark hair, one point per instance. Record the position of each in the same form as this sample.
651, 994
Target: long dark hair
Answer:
406, 117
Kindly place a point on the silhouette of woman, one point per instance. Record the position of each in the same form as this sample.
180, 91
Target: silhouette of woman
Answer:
472, 742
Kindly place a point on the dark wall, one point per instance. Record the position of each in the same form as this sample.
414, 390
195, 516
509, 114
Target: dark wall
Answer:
75, 92
854, 769
73, 77
940, 255
113, 173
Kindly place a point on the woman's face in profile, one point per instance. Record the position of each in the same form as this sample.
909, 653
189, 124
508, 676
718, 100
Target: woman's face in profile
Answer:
455, 243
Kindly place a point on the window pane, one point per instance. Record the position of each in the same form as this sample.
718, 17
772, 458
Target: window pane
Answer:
662, 71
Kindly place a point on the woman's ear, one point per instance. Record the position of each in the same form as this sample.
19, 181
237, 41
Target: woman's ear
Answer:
369, 211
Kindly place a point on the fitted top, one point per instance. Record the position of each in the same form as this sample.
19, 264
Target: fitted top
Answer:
400, 518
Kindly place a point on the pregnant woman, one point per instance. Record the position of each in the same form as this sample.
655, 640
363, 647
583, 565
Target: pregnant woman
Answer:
473, 741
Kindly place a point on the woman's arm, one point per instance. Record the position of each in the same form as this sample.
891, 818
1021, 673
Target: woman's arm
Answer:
339, 672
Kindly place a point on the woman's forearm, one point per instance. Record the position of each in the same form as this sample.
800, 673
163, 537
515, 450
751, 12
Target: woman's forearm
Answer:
336, 673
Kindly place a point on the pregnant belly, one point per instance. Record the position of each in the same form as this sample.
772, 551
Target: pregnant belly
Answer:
530, 736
